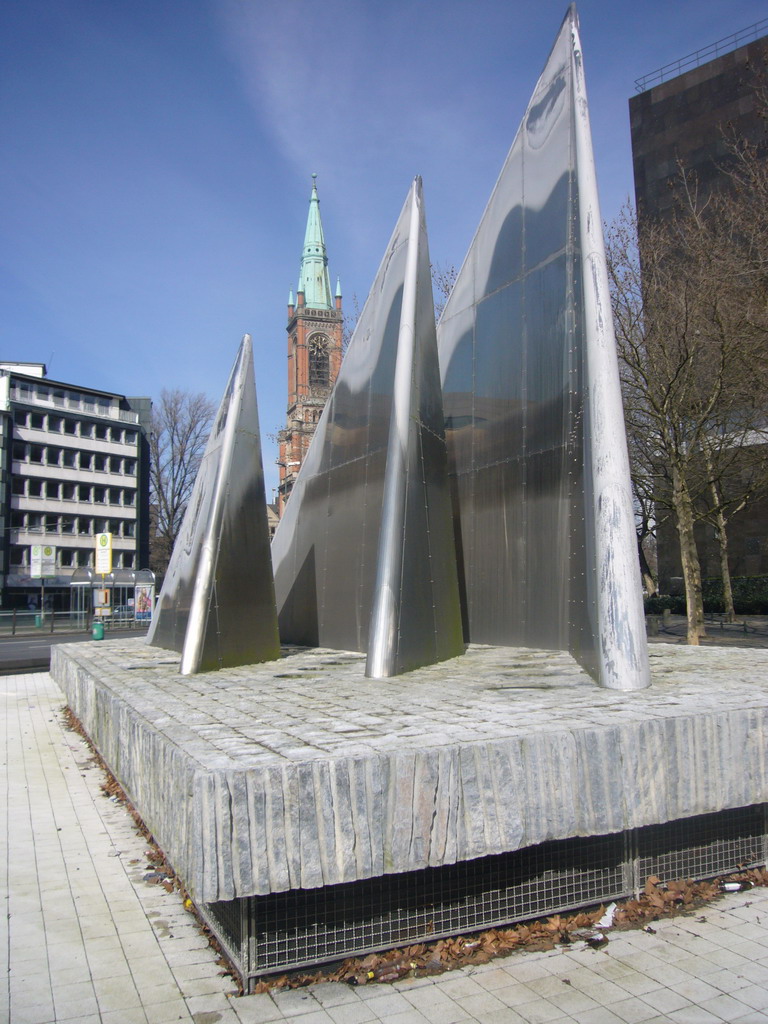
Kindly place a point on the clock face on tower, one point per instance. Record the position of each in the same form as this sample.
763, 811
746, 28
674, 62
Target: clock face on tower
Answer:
319, 363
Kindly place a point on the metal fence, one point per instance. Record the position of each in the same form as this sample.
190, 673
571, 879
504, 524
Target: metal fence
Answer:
281, 931
25, 623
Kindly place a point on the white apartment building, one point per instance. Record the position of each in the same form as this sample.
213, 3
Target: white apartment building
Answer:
74, 464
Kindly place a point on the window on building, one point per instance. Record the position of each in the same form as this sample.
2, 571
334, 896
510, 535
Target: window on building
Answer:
36, 453
54, 456
66, 556
319, 365
86, 430
130, 467
99, 463
99, 495
129, 529
102, 432
69, 458
55, 423
68, 524
129, 497
35, 488
17, 485
69, 492
36, 420
58, 396
19, 451
130, 437
86, 460
83, 492
127, 559
20, 418
19, 554
17, 519
70, 426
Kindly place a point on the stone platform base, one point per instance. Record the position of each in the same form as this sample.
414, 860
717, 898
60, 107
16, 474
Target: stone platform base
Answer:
302, 773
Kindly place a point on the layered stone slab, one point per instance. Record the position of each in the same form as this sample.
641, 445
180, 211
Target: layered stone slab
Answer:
303, 773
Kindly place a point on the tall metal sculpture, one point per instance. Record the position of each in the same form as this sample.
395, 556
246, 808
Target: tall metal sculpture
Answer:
363, 556
217, 605
534, 423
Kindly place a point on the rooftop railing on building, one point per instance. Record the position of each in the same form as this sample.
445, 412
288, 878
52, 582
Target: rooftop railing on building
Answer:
703, 56
75, 405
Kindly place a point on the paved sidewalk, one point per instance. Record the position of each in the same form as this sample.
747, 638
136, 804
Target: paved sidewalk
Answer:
747, 631
85, 939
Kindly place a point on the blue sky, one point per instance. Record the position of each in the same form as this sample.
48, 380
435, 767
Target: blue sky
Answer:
157, 159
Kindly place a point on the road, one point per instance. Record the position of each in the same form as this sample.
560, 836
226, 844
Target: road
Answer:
32, 653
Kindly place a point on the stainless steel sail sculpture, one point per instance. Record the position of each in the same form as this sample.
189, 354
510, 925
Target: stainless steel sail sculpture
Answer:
217, 605
534, 423
363, 556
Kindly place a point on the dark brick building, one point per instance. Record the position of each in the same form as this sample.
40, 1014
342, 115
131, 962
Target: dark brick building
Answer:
681, 120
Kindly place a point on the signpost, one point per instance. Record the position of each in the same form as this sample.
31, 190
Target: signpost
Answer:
43, 563
103, 566
103, 553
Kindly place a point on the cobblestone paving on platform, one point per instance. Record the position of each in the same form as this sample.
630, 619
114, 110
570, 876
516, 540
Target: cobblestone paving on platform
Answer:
316, 704
85, 939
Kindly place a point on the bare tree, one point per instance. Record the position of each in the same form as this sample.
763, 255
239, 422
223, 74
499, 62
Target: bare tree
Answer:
692, 349
737, 474
181, 422
349, 325
443, 280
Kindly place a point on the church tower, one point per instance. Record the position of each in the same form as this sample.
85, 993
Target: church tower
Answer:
314, 349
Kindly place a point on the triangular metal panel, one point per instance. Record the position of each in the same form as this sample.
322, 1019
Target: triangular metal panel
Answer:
540, 476
363, 555
217, 605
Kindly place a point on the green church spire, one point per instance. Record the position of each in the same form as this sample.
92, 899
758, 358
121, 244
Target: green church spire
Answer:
313, 276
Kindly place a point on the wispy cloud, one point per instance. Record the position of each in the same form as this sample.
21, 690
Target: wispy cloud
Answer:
369, 95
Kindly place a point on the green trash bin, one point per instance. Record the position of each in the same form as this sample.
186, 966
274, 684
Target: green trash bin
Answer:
97, 631
38, 620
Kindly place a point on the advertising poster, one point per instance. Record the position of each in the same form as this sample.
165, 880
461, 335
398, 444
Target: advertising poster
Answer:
145, 594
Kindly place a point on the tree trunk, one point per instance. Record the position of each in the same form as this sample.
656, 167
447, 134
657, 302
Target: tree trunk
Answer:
645, 570
689, 556
725, 571
722, 546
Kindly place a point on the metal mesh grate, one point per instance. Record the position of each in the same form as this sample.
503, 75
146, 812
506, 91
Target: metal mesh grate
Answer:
228, 921
703, 846
310, 926
313, 925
